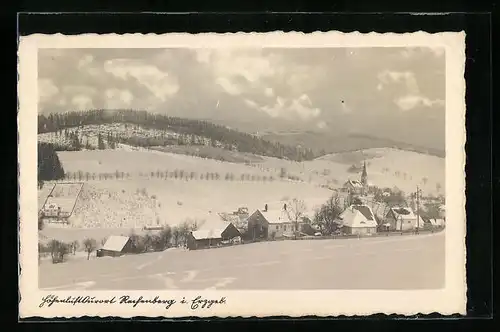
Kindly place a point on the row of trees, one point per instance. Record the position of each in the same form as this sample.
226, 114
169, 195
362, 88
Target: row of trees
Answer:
139, 243
176, 174
227, 137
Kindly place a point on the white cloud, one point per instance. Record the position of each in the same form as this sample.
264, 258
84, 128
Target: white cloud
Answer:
251, 103
46, 90
158, 82
79, 89
229, 86
85, 61
409, 102
407, 78
82, 102
269, 92
229, 66
290, 108
116, 98
86, 64
413, 98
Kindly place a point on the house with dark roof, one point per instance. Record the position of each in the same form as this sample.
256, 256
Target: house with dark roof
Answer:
402, 219
212, 235
358, 219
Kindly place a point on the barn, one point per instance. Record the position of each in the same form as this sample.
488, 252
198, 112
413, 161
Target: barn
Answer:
212, 236
115, 246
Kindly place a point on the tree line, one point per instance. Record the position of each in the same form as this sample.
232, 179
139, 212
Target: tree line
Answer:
227, 138
139, 243
176, 174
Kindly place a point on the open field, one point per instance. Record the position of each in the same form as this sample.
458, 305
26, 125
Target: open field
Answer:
404, 262
386, 167
134, 203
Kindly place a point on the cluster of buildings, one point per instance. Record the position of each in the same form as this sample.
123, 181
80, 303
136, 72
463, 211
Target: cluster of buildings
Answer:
280, 220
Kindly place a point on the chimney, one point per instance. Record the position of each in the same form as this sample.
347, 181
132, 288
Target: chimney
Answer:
265, 208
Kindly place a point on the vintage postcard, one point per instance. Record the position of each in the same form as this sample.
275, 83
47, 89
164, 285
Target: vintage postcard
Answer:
241, 175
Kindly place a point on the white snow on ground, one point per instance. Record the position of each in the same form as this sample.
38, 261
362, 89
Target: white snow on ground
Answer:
141, 200
403, 262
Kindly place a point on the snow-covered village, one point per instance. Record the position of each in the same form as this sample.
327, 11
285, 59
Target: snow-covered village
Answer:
137, 190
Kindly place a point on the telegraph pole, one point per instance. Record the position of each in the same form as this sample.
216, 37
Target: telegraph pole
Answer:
418, 209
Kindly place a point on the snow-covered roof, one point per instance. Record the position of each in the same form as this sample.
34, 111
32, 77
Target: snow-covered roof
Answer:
436, 222
211, 233
405, 213
355, 183
276, 216
358, 216
115, 243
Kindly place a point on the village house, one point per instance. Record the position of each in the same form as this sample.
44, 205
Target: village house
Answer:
211, 236
402, 219
358, 220
437, 222
115, 246
273, 224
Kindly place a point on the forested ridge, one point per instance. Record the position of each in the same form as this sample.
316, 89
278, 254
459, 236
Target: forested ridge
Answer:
218, 135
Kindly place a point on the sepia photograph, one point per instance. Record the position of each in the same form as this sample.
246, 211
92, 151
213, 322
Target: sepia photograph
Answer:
243, 168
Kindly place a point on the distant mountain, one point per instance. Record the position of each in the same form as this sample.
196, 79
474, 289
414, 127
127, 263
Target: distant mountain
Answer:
323, 143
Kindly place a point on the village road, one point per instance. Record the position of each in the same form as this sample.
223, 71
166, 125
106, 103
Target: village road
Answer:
397, 262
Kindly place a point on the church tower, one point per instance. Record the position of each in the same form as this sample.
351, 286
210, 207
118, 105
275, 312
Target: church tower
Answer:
364, 177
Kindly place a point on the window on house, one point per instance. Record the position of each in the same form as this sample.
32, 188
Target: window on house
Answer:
409, 221
284, 227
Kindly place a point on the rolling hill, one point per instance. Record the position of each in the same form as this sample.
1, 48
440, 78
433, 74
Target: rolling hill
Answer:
323, 143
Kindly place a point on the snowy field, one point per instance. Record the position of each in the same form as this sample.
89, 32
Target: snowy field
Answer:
403, 262
386, 167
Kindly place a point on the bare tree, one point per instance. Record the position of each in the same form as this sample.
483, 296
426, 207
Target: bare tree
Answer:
325, 217
184, 230
165, 236
90, 245
74, 246
295, 210
58, 250
176, 234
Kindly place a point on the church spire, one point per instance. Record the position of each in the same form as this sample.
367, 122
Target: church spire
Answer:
364, 175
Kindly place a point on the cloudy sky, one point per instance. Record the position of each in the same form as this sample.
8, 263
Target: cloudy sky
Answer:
394, 93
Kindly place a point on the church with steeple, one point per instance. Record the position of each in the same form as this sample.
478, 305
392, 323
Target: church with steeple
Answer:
358, 187
364, 179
